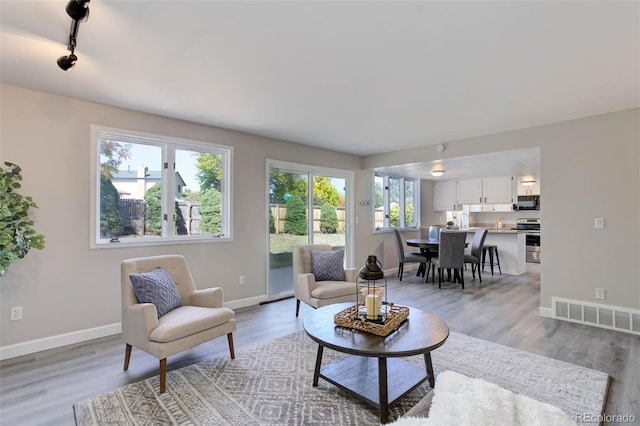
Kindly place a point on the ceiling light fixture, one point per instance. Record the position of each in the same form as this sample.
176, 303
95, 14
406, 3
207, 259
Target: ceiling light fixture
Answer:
78, 10
528, 182
437, 173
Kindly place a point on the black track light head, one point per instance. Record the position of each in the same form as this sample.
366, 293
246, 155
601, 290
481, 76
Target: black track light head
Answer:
67, 62
78, 10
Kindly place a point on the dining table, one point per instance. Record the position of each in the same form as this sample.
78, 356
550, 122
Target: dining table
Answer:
425, 245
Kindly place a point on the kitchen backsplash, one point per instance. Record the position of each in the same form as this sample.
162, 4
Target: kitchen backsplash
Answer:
508, 219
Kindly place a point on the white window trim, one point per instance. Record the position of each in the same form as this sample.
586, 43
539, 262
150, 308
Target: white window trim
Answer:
387, 206
98, 131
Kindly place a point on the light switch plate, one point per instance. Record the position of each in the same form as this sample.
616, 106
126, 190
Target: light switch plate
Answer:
599, 223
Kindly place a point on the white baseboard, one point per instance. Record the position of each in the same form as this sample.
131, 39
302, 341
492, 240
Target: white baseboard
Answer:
52, 342
242, 303
59, 340
545, 312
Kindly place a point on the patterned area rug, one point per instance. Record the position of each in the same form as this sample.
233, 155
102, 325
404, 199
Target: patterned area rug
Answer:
270, 384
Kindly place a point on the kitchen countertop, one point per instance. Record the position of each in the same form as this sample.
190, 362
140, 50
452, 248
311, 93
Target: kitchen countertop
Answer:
492, 230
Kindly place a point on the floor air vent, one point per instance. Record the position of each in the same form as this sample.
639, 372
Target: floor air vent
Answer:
611, 317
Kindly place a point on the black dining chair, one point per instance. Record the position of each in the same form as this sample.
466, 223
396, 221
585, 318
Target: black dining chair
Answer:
408, 257
450, 255
475, 257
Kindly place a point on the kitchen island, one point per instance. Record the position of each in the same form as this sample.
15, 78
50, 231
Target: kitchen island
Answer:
511, 249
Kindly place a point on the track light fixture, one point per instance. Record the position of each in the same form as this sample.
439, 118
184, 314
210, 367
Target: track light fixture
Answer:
67, 62
78, 10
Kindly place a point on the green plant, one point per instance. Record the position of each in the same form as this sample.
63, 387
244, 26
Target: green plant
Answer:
295, 220
328, 219
211, 212
111, 224
17, 236
153, 214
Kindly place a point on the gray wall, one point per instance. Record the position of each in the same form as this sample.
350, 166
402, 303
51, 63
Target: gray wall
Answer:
590, 168
67, 287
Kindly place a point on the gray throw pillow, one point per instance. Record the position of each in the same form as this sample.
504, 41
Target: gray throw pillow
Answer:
156, 287
327, 265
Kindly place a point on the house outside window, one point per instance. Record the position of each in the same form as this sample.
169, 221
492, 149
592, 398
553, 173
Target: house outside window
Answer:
396, 202
150, 189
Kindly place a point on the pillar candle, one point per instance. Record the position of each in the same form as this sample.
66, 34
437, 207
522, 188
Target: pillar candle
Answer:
373, 307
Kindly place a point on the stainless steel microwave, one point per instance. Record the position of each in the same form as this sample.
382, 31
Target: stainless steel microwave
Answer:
528, 202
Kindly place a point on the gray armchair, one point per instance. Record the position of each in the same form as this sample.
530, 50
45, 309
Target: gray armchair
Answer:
200, 318
320, 293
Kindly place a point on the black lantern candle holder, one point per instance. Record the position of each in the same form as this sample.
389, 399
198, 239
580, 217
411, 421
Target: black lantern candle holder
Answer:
372, 292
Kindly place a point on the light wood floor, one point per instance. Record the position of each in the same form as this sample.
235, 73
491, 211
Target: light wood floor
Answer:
41, 388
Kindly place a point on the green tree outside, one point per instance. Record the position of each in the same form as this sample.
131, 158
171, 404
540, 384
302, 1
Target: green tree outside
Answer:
153, 212
324, 191
328, 219
394, 215
210, 212
113, 153
111, 224
296, 217
378, 194
209, 173
285, 183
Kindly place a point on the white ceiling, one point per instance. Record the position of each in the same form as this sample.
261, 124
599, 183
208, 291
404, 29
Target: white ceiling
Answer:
520, 163
360, 77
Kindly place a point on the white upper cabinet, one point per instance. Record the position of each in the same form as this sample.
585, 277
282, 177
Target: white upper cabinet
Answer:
484, 194
498, 190
444, 195
469, 191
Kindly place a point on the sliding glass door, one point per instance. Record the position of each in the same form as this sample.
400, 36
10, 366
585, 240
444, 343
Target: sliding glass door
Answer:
306, 205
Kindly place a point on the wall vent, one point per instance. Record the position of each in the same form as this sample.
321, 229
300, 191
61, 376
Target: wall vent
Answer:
611, 317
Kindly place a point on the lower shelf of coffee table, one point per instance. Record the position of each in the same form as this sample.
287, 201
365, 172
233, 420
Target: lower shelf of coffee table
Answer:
358, 375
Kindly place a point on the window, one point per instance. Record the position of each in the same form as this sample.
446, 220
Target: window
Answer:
395, 202
150, 189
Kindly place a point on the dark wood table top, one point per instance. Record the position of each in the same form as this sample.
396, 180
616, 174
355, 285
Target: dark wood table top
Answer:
421, 333
422, 242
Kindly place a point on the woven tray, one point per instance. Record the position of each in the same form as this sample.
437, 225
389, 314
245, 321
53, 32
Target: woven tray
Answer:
395, 316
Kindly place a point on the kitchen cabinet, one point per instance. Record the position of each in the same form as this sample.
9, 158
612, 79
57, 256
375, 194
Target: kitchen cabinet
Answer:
444, 195
498, 190
484, 194
469, 191
529, 189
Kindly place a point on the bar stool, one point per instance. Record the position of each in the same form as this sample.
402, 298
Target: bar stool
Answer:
492, 249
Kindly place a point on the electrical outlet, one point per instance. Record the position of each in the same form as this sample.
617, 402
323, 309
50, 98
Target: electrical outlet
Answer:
16, 313
600, 293
241, 280
599, 223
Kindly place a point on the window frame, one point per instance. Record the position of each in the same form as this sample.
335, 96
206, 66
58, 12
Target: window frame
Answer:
401, 204
169, 145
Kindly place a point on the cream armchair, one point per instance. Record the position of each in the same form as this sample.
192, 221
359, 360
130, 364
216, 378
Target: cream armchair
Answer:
320, 293
200, 318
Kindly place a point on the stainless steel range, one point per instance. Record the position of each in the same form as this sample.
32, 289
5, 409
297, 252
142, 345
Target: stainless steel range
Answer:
531, 227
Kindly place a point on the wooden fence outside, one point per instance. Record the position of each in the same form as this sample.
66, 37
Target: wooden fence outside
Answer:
132, 212
279, 212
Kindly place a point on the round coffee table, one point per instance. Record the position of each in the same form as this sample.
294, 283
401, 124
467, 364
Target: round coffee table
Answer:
357, 374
